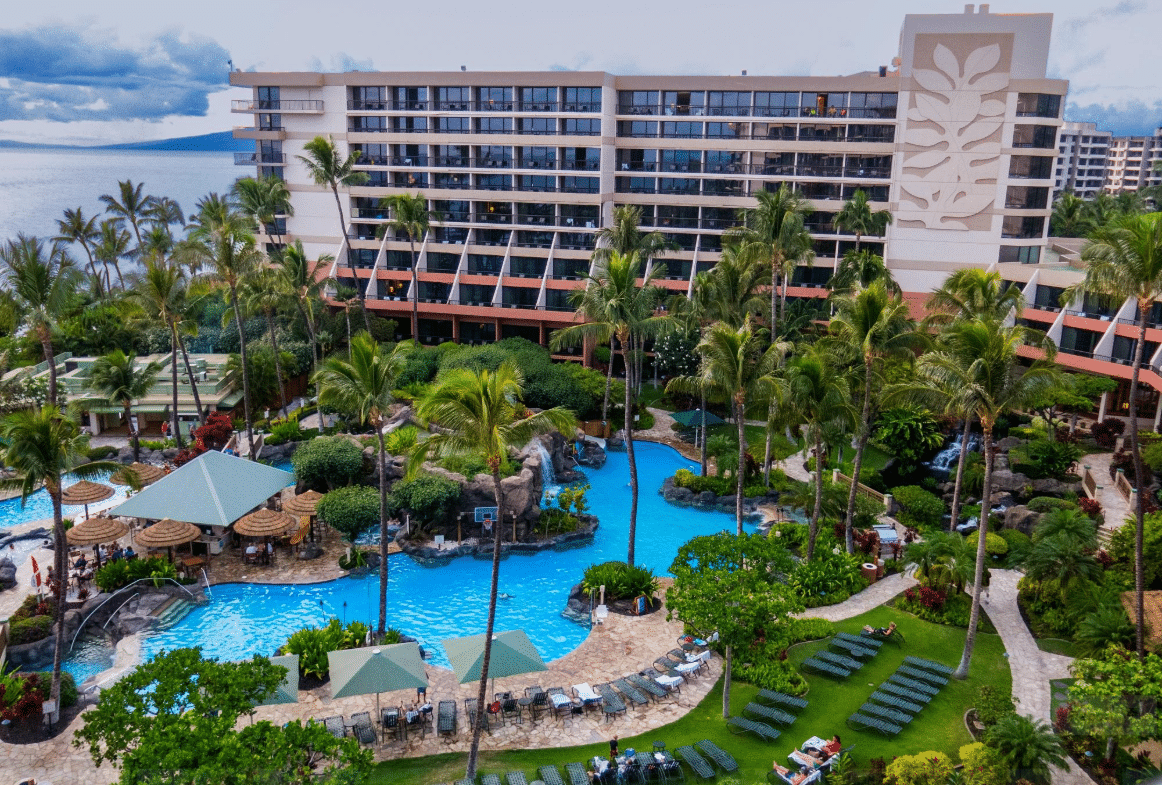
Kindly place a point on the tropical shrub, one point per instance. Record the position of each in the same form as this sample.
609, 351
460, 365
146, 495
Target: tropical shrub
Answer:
993, 704
909, 433
831, 577
34, 605
1050, 503
402, 440
21, 694
356, 561
716, 484
955, 611
920, 508
471, 465
994, 544
793, 535
1018, 543
1106, 433
770, 674
983, 765
621, 581
1091, 507
1044, 458
311, 644
285, 431
328, 462
554, 519
351, 511
1028, 747
116, 574
1106, 626
923, 768
1122, 548
419, 368
100, 453
431, 500
29, 630
572, 498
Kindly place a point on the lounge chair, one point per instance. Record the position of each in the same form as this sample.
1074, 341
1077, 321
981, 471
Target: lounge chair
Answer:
611, 702
931, 665
838, 659
649, 767
516, 778
630, 693
470, 713
895, 637
739, 725
913, 684
446, 718
584, 693
648, 686
769, 713
867, 641
672, 768
782, 699
854, 649
922, 675
335, 727
683, 658
900, 691
884, 713
672, 668
670, 682
720, 757
559, 701
696, 762
818, 665
904, 705
490, 779
864, 722
576, 773
536, 700
550, 775
465, 781
362, 728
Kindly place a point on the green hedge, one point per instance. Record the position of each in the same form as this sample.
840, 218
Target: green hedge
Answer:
122, 572
329, 462
28, 630
921, 508
1050, 503
621, 581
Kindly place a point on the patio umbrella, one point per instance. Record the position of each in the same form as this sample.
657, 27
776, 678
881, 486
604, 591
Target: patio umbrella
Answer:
145, 473
694, 418
264, 523
96, 531
167, 533
85, 493
512, 654
288, 690
376, 669
304, 505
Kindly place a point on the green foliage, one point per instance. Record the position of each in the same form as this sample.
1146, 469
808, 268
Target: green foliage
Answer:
993, 704
420, 367
356, 561
327, 462
994, 544
1019, 545
470, 465
1106, 626
572, 498
1027, 747
1045, 458
924, 768
792, 535
921, 509
1152, 456
401, 440
29, 630
311, 644
554, 519
351, 511
1108, 692
285, 431
1049, 503
135, 724
101, 453
115, 574
829, 578
909, 433
1122, 548
718, 485
621, 581
983, 765
770, 674
431, 500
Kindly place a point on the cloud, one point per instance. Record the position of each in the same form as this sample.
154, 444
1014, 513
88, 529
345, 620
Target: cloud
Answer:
65, 74
1133, 118
341, 63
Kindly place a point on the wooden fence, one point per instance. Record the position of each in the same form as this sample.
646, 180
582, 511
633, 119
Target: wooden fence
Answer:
1124, 486
861, 489
1089, 482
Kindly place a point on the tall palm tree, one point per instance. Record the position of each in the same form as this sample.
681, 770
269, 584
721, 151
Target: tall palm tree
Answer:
819, 394
735, 363
773, 233
616, 303
113, 245
1070, 216
877, 324
119, 380
328, 167
976, 369
164, 211
482, 414
265, 291
299, 272
860, 268
856, 217
1124, 260
130, 204
43, 445
76, 228
40, 281
362, 385
410, 215
263, 199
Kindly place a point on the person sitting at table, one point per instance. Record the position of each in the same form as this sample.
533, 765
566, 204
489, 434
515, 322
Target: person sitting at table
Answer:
81, 563
117, 554
829, 749
792, 778
251, 553
130, 554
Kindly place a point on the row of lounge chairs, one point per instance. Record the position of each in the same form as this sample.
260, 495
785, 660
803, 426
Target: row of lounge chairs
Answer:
858, 650
899, 699
761, 716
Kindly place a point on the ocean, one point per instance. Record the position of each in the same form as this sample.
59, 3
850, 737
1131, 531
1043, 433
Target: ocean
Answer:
36, 186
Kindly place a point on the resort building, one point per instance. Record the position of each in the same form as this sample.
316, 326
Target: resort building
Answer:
1131, 162
216, 390
1082, 152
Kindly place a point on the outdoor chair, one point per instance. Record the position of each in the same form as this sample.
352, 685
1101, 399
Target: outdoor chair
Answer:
770, 713
899, 691
670, 682
854, 649
922, 675
648, 686
465, 781
416, 721
362, 728
884, 713
673, 769
584, 693
931, 665
470, 712
867, 641
490, 779
650, 768
839, 660
335, 726
913, 684
536, 700
630, 693
510, 707
720, 757
550, 775
559, 701
696, 762
739, 725
896, 637
577, 774
826, 668
781, 699
516, 778
864, 722
881, 697
392, 726
446, 718
611, 702
672, 668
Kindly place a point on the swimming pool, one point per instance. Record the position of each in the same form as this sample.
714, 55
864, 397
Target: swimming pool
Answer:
39, 505
432, 603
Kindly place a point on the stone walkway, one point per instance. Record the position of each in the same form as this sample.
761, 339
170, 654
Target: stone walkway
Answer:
872, 597
1115, 508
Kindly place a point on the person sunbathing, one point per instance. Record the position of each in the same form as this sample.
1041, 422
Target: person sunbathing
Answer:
794, 778
830, 749
884, 631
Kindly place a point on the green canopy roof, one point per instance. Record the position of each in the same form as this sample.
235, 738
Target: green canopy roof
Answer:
376, 669
288, 690
214, 489
512, 654
693, 418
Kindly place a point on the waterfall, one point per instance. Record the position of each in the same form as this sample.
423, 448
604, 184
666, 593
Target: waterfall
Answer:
945, 459
549, 485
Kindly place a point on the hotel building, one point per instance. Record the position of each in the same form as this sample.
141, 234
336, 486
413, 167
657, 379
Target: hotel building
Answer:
1082, 152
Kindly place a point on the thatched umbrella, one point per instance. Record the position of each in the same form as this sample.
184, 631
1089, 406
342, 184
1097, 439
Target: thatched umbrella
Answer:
264, 523
85, 493
305, 504
167, 533
96, 531
145, 474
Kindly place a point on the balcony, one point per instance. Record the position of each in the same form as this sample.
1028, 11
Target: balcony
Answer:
250, 132
286, 107
253, 159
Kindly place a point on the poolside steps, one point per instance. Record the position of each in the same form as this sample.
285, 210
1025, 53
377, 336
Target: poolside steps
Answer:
171, 612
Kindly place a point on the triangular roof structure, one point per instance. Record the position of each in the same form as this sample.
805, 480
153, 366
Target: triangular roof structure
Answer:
214, 489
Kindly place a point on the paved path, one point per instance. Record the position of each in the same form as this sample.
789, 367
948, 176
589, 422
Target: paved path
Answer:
872, 597
1115, 508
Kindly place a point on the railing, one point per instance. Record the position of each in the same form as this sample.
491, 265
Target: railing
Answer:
860, 488
1089, 482
296, 105
1123, 485
114, 595
250, 159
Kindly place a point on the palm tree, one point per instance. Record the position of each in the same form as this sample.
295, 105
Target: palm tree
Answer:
818, 393
265, 291
616, 304
877, 324
482, 414
735, 363
856, 217
42, 445
1027, 746
774, 234
362, 385
40, 281
299, 272
118, 379
164, 211
133, 205
263, 200
410, 216
977, 370
1124, 260
112, 246
859, 269
75, 228
1070, 216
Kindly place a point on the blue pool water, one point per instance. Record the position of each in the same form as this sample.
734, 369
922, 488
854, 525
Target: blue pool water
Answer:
39, 505
437, 602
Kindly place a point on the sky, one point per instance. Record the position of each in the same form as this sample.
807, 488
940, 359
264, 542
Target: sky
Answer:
142, 70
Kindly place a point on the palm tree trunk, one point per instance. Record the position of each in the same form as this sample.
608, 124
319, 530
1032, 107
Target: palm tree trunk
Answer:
857, 463
45, 335
277, 365
360, 291
383, 532
726, 682
60, 567
93, 269
633, 489
961, 462
173, 367
813, 530
310, 333
193, 379
767, 449
608, 384
1144, 307
134, 432
703, 448
740, 406
347, 313
982, 533
120, 279
415, 290
774, 298
482, 693
245, 372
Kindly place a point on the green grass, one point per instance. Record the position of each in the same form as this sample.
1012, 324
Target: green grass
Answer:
1058, 646
939, 726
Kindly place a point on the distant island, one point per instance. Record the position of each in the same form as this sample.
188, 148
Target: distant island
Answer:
222, 142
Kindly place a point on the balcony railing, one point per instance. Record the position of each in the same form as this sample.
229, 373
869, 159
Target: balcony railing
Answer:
252, 159
251, 105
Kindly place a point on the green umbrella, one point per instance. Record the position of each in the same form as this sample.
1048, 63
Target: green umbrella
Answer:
694, 418
288, 690
376, 669
512, 654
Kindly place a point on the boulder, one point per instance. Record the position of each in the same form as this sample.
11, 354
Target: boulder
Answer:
590, 453
1008, 443
1051, 487
1006, 480
1000, 462
1022, 519
1002, 499
616, 441
707, 499
7, 574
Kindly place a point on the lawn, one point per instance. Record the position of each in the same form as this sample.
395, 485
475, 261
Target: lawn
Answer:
939, 727
1059, 646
